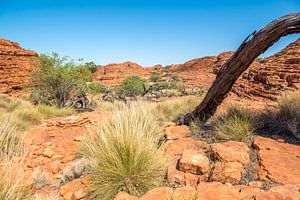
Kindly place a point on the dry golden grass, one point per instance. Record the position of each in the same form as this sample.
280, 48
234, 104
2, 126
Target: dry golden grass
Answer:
11, 140
12, 181
124, 153
285, 118
172, 110
236, 123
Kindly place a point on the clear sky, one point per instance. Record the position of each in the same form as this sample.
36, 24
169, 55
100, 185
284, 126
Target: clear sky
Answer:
145, 31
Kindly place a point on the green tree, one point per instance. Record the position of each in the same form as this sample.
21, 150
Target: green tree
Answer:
155, 76
56, 78
133, 85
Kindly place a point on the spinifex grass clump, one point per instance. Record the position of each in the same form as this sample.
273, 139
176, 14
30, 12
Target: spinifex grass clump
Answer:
285, 119
237, 123
13, 184
124, 154
171, 110
10, 139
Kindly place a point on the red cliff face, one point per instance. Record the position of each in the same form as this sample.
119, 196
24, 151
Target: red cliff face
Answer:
15, 66
273, 75
114, 74
195, 73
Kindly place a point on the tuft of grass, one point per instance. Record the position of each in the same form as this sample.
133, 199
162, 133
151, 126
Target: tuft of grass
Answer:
237, 123
51, 111
285, 119
111, 106
40, 179
172, 110
124, 153
12, 181
11, 140
29, 115
7, 104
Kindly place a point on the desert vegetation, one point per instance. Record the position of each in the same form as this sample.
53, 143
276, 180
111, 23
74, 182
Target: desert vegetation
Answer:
124, 153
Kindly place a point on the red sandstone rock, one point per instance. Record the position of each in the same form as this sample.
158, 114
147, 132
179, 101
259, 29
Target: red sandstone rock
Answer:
158, 194
231, 151
218, 191
227, 172
288, 192
15, 66
175, 132
279, 161
125, 196
194, 162
184, 193
114, 74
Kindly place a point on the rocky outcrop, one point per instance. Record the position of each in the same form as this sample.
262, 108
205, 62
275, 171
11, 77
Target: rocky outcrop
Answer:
15, 66
196, 72
268, 77
114, 74
218, 171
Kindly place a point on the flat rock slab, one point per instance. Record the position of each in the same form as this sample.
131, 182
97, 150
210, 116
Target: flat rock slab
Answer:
279, 162
232, 151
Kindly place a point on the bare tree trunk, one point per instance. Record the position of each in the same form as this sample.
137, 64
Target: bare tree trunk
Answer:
250, 49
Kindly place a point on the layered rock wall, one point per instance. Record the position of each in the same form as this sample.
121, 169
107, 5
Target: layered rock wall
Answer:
15, 66
114, 74
268, 77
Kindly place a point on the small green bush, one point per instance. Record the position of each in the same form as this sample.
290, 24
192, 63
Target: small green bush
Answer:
133, 85
124, 154
56, 80
237, 123
96, 88
155, 77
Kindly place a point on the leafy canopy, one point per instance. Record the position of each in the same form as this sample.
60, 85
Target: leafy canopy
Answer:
133, 85
57, 78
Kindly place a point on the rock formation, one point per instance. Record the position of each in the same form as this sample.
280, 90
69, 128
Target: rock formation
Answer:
268, 77
196, 72
15, 66
114, 74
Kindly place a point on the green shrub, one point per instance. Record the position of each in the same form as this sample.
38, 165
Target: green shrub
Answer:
124, 154
133, 85
155, 77
96, 88
237, 123
55, 79
285, 119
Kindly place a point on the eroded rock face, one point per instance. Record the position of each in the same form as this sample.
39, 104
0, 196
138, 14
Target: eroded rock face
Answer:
279, 162
195, 73
268, 77
15, 66
114, 74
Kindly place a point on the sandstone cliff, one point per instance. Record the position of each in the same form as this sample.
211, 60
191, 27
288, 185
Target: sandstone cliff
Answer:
113, 74
268, 77
15, 65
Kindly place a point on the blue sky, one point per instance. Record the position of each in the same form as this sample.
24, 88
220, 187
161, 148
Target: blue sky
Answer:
145, 31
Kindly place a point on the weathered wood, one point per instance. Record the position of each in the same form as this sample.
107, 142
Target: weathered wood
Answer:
254, 45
